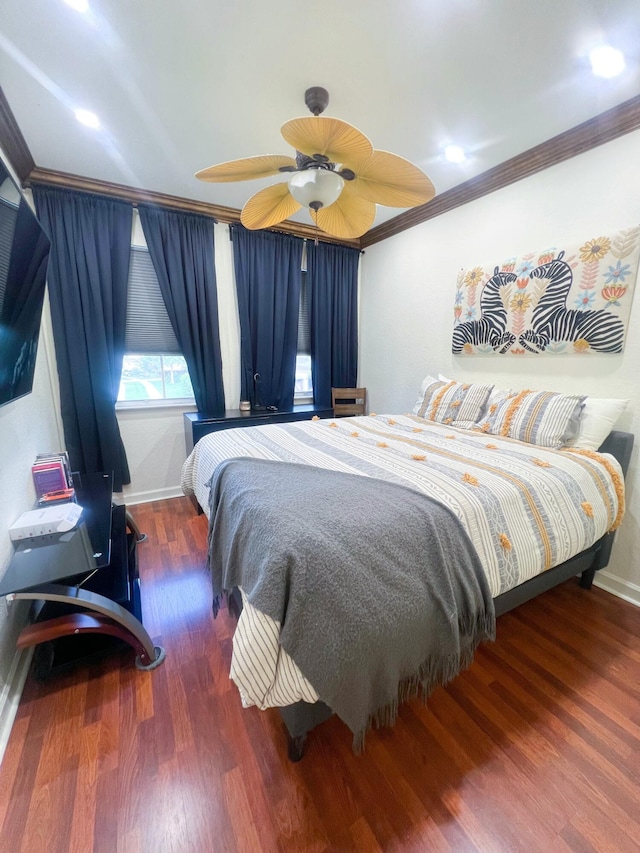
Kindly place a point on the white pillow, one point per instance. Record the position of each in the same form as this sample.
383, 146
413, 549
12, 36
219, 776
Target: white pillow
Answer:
598, 418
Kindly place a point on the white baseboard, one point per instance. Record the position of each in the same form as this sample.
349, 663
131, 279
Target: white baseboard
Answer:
11, 693
146, 497
616, 586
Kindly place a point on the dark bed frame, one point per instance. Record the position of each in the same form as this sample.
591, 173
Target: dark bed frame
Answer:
301, 717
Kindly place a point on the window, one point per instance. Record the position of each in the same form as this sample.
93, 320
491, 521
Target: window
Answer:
153, 367
303, 389
154, 377
304, 386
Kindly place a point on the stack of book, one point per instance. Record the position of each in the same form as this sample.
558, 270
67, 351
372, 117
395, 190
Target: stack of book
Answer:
52, 474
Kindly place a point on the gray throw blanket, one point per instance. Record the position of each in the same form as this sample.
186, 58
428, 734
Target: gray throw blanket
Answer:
378, 588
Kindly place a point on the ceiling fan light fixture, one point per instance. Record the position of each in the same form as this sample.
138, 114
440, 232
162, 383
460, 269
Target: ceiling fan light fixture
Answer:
316, 188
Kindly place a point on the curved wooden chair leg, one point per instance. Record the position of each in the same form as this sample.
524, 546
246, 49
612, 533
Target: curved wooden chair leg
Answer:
102, 615
88, 623
77, 623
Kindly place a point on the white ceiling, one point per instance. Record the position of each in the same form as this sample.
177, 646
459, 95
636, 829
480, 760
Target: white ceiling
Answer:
179, 86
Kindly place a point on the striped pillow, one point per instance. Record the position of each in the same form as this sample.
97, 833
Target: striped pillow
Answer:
457, 404
537, 417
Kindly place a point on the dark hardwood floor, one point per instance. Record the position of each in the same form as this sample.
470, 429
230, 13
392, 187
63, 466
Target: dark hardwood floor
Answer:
535, 748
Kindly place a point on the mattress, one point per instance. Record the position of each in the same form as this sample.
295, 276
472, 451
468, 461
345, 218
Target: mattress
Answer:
526, 508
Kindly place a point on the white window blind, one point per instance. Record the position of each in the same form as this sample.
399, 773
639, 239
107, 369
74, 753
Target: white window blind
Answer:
148, 329
8, 215
304, 319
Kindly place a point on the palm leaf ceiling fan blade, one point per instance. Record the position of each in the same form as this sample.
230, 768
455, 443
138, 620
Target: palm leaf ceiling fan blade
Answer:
348, 217
393, 181
337, 175
269, 207
247, 169
332, 138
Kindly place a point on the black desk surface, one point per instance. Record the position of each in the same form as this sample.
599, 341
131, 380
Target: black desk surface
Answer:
299, 411
46, 559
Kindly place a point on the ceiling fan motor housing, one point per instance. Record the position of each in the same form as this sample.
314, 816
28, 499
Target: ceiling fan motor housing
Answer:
316, 98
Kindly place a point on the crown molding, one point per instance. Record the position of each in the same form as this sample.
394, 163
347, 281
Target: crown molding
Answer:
139, 196
13, 142
605, 127
621, 119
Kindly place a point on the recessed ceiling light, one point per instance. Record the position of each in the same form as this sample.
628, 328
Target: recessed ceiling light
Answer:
78, 5
88, 118
455, 154
606, 61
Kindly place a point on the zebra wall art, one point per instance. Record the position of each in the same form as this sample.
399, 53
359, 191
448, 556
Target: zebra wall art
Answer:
565, 300
491, 328
601, 330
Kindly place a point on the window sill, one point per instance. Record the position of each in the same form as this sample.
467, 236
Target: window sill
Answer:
146, 405
182, 403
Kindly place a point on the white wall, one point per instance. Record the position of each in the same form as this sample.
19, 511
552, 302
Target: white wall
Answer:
153, 436
28, 426
409, 282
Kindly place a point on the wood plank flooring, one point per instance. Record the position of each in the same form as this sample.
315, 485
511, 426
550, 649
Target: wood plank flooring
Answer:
535, 748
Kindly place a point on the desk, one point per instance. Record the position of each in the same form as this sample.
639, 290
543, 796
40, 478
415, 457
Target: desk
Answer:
84, 578
197, 424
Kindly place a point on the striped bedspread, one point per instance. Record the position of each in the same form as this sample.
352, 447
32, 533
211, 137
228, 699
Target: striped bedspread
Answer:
525, 508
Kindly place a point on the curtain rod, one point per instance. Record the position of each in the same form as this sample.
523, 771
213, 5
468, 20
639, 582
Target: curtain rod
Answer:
165, 205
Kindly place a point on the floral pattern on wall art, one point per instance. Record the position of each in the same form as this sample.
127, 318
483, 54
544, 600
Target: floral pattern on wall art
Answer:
568, 301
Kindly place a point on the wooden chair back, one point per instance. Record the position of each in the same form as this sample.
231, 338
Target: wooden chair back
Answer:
348, 401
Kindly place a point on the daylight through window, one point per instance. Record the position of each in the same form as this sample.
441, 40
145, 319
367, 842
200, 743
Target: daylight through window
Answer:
303, 388
153, 367
154, 377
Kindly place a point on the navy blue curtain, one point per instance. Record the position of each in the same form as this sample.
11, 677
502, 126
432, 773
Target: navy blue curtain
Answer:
268, 276
332, 273
181, 246
87, 278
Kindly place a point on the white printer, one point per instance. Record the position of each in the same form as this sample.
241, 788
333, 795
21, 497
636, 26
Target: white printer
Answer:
58, 518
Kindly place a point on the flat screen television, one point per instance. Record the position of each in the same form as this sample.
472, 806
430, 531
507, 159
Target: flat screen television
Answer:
24, 254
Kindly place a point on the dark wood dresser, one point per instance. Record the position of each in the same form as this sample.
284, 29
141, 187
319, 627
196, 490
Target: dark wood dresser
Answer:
197, 424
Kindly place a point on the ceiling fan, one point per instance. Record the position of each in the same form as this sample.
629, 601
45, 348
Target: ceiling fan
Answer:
336, 173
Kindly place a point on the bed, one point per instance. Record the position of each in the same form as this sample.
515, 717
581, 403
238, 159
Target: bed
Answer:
476, 475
